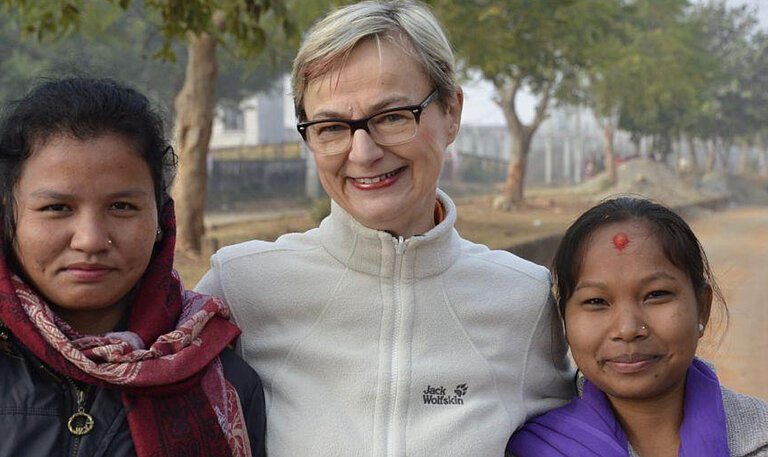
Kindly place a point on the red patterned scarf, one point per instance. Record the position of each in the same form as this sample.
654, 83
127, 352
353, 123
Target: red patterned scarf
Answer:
165, 363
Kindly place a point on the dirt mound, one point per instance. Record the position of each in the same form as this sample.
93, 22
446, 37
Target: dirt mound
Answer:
649, 179
738, 189
659, 182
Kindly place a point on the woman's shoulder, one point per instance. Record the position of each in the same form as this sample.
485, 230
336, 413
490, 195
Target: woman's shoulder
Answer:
502, 260
747, 424
289, 242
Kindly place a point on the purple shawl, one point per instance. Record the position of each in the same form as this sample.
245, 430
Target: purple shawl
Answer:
586, 427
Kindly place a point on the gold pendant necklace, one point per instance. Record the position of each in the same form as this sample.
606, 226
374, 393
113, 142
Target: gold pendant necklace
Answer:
80, 423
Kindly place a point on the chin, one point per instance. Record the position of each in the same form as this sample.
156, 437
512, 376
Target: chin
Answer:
630, 393
380, 216
638, 389
381, 223
80, 301
84, 305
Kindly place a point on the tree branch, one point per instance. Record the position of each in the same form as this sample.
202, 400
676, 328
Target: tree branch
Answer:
541, 107
507, 91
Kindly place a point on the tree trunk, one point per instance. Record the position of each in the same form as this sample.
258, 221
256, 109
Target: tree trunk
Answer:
609, 155
744, 157
725, 154
513, 186
692, 154
764, 164
548, 158
636, 146
521, 141
195, 105
578, 149
711, 155
567, 159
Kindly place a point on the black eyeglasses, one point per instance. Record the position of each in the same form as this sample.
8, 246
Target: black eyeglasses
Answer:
390, 127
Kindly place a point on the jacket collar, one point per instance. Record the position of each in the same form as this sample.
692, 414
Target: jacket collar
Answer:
376, 252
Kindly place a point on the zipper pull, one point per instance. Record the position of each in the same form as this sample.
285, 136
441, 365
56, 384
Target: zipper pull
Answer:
5, 339
80, 423
400, 244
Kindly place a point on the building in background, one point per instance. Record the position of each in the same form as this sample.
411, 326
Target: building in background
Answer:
264, 118
255, 152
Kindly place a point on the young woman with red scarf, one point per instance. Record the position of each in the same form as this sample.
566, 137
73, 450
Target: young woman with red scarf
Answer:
102, 351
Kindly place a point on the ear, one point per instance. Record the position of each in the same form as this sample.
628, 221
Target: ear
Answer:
705, 304
455, 105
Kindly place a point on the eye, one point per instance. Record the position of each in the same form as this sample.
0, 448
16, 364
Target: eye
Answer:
595, 302
392, 118
329, 129
123, 206
56, 207
658, 295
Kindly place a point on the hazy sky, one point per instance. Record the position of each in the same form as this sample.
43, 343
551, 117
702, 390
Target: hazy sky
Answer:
761, 5
479, 108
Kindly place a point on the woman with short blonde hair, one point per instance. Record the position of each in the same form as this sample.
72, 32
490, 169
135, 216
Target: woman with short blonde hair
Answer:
383, 332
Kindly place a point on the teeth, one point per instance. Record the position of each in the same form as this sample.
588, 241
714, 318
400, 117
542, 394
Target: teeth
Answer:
376, 178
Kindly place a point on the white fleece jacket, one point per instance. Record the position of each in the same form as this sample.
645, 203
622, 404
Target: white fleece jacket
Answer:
370, 346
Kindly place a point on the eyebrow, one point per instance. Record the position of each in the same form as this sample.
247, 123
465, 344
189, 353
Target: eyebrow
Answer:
659, 275
392, 101
650, 278
56, 195
590, 284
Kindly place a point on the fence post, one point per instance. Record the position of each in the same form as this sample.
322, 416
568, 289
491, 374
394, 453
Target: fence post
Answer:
548, 154
311, 183
578, 160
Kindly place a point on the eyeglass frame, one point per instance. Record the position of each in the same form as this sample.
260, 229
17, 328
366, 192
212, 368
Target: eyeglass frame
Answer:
362, 123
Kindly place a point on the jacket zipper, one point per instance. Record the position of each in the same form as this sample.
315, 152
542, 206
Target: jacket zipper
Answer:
5, 337
81, 396
400, 245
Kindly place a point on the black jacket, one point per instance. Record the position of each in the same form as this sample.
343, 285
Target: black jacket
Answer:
36, 403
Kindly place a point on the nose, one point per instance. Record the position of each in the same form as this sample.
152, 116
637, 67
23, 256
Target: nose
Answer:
629, 323
363, 150
90, 234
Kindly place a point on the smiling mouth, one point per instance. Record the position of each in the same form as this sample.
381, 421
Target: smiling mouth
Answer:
631, 363
631, 358
378, 179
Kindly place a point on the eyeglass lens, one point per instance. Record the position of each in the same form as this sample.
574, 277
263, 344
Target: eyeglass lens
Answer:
387, 129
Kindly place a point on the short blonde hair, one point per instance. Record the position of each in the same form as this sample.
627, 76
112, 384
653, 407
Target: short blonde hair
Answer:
406, 23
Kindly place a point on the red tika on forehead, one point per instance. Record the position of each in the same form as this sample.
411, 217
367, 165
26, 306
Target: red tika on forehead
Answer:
620, 241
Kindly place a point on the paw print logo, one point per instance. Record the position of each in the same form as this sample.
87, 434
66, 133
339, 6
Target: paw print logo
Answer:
461, 390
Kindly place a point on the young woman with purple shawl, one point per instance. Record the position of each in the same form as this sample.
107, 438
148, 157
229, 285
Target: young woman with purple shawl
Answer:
635, 291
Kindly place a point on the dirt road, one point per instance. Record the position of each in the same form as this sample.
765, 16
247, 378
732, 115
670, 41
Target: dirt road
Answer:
736, 242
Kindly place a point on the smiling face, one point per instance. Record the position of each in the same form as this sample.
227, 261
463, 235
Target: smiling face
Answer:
633, 319
389, 188
86, 224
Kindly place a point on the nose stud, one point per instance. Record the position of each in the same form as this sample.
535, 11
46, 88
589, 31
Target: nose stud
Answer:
109, 242
643, 328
